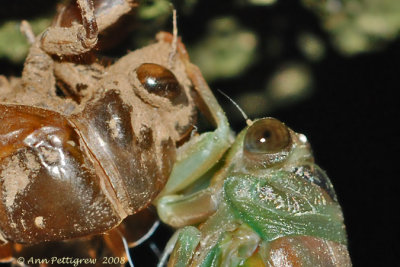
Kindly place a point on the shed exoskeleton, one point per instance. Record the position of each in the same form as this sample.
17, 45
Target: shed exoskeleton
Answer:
78, 165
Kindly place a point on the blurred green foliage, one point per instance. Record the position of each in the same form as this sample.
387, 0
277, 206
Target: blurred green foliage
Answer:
358, 26
13, 44
226, 51
229, 42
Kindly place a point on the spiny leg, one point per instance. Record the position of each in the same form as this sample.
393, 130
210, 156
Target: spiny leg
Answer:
74, 40
37, 86
88, 21
38, 73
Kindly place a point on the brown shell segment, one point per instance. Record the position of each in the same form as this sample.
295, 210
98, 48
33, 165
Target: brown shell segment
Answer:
48, 187
129, 159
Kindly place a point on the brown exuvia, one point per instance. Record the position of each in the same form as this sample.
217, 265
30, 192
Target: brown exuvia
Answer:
78, 165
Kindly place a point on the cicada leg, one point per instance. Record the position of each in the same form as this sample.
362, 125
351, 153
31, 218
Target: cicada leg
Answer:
75, 40
182, 245
194, 159
202, 152
38, 73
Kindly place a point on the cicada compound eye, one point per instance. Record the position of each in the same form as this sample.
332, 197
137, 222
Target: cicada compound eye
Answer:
158, 80
267, 141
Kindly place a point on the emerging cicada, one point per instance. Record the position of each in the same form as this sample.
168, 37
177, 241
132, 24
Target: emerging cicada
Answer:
265, 204
77, 166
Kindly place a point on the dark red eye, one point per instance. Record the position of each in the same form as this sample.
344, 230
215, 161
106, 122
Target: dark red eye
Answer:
158, 80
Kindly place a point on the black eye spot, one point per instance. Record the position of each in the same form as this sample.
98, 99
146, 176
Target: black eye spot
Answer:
316, 175
267, 136
158, 80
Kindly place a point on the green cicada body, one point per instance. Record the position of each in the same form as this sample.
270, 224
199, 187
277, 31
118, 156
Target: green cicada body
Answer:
266, 204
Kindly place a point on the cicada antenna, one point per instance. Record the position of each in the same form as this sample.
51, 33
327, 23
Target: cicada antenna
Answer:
174, 43
248, 121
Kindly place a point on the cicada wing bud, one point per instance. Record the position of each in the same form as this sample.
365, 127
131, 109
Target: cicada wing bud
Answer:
50, 186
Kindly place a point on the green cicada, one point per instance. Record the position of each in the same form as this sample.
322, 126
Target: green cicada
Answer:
265, 203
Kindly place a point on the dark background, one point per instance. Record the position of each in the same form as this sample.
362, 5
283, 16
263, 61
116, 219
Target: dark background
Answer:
350, 121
